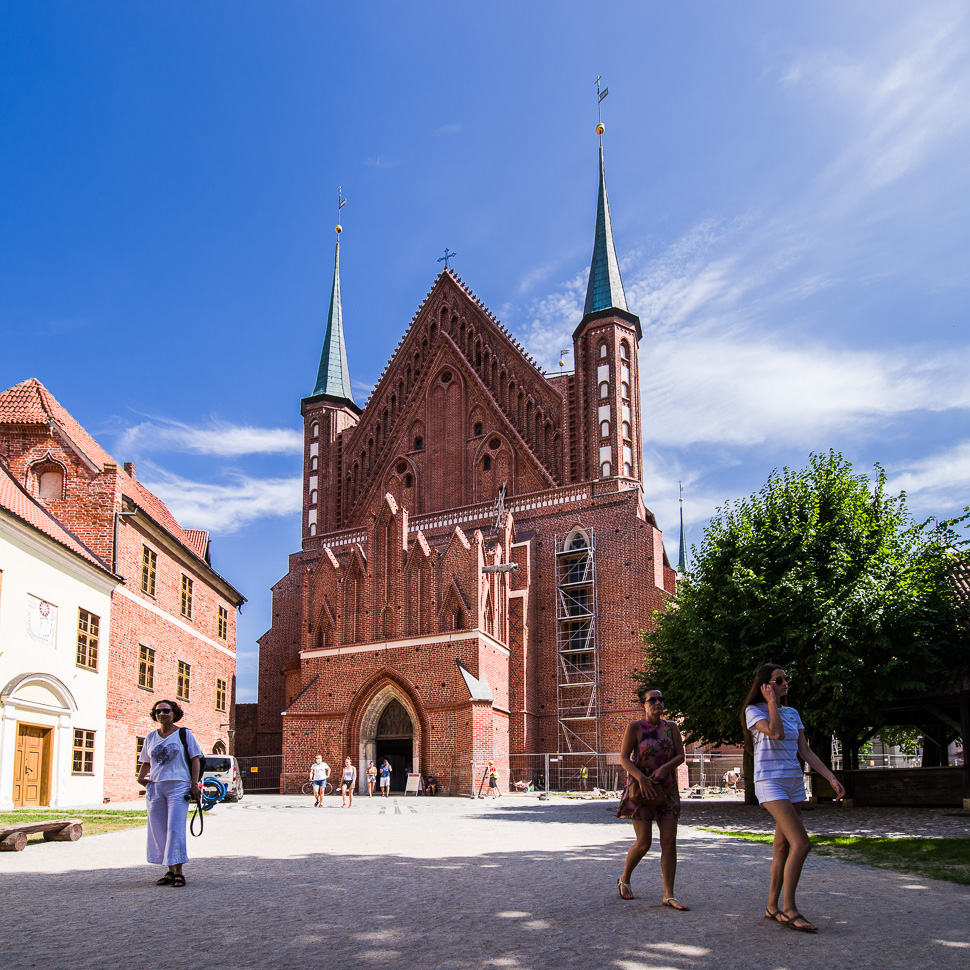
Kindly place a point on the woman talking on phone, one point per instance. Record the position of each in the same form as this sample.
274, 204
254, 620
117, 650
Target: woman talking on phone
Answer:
775, 734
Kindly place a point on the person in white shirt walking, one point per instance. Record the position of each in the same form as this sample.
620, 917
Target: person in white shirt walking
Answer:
319, 773
775, 734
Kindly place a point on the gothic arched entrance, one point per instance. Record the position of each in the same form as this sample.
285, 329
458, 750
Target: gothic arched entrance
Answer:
389, 729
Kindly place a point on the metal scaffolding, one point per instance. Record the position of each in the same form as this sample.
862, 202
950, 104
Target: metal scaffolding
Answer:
577, 656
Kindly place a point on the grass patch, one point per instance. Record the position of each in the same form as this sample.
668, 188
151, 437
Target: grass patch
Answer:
947, 859
96, 820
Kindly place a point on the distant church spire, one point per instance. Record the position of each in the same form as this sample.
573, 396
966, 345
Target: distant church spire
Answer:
605, 288
333, 376
682, 558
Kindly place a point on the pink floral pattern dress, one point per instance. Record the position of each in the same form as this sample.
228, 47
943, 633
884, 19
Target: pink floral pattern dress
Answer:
655, 748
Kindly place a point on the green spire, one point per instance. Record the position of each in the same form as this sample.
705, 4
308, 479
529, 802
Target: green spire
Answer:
605, 289
682, 558
333, 377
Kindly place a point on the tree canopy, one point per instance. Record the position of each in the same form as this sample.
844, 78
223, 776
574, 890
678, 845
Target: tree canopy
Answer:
824, 573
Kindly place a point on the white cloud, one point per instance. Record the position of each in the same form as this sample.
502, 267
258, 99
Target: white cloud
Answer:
903, 100
941, 480
381, 163
748, 389
224, 508
217, 438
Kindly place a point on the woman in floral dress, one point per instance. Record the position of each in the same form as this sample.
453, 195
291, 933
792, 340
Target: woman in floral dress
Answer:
652, 750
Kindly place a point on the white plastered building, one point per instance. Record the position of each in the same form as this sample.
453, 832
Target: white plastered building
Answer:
55, 610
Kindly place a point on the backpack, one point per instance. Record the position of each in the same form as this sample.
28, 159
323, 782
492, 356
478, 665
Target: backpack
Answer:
188, 760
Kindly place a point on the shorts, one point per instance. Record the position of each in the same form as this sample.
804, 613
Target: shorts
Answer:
493, 782
791, 788
319, 783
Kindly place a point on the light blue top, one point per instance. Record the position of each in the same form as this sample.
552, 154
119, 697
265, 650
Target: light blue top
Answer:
775, 759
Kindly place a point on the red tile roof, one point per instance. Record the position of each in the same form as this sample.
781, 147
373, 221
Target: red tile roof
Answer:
17, 501
198, 542
31, 403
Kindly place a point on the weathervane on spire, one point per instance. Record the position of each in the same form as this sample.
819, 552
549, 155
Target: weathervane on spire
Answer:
341, 202
600, 127
444, 259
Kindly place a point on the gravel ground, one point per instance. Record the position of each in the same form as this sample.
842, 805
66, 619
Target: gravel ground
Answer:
455, 883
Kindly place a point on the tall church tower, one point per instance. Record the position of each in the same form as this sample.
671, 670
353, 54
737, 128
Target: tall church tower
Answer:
329, 410
605, 346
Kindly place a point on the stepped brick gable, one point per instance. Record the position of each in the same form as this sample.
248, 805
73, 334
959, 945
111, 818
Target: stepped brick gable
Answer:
477, 562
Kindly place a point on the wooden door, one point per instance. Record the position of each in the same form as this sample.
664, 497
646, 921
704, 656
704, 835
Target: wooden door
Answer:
32, 766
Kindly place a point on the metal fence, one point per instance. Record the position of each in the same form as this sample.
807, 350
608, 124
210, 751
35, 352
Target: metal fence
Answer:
261, 773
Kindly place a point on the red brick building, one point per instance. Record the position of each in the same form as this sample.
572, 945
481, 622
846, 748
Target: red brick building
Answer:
477, 562
173, 618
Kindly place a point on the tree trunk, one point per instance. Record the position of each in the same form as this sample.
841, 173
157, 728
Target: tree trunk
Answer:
747, 769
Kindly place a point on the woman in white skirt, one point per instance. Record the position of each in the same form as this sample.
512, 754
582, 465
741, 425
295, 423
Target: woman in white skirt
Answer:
776, 735
170, 779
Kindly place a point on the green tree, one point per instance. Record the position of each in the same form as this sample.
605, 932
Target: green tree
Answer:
825, 573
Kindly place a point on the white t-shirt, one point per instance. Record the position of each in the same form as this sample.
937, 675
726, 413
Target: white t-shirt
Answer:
320, 770
167, 756
775, 759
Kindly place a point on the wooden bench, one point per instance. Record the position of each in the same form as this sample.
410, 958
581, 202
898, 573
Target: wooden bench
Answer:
13, 838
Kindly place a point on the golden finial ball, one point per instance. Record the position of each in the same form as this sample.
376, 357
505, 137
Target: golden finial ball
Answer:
338, 228
600, 128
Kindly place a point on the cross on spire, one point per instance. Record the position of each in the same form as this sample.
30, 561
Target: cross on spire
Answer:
444, 259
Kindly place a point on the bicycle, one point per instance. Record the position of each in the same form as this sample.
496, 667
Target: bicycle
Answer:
307, 788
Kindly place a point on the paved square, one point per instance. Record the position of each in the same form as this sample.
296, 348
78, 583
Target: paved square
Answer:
455, 883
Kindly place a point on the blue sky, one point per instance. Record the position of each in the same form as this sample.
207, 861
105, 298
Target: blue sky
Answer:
788, 183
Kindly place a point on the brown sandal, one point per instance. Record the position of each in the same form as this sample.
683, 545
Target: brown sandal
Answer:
789, 921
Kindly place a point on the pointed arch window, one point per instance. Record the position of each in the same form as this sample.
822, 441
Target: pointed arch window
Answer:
604, 429
624, 351
605, 469
604, 390
603, 350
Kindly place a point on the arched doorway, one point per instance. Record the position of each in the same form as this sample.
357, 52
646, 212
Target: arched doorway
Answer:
395, 741
390, 729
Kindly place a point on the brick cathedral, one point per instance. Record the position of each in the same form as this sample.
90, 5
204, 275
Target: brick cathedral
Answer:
477, 561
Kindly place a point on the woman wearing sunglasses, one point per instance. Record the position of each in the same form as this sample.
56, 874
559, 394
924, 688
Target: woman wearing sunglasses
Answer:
652, 750
171, 777
776, 735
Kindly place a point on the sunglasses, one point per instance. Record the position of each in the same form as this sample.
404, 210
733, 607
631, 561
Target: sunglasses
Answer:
654, 700
163, 710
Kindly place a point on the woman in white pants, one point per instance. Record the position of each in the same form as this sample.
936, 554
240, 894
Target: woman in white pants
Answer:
170, 779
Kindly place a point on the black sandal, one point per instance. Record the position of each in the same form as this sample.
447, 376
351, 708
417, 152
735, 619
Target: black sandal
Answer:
166, 880
178, 880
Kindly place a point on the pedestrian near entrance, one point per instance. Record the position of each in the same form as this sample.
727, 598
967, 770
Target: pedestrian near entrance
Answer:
319, 773
775, 734
371, 778
493, 781
652, 751
385, 778
348, 782
169, 771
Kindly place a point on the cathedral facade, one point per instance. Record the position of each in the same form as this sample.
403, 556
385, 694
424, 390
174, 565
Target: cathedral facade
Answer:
477, 562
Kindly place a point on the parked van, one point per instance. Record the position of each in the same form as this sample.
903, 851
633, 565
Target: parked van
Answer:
223, 767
